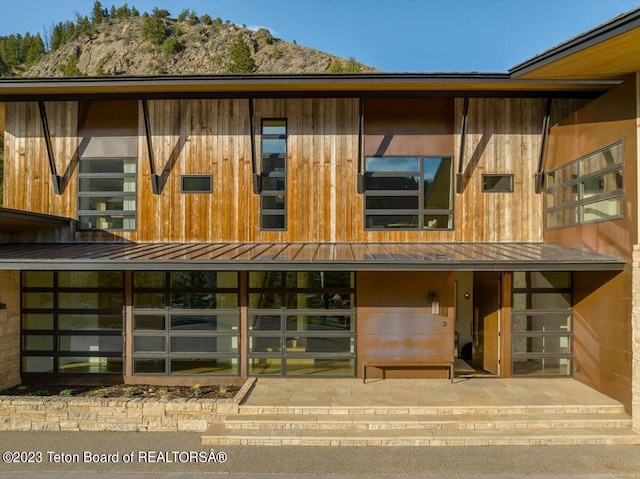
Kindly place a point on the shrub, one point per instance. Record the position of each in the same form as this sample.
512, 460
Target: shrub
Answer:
154, 30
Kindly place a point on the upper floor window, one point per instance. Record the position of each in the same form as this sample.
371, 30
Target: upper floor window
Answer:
587, 190
107, 193
273, 198
413, 192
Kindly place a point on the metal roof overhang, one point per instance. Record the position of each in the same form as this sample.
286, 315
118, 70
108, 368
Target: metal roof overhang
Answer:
303, 257
300, 85
18, 221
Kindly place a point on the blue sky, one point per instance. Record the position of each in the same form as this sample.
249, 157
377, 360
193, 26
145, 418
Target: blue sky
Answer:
391, 35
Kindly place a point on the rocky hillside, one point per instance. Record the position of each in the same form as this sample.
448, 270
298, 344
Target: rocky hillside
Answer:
155, 45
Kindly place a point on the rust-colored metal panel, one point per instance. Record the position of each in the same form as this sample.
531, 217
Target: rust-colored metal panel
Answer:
602, 332
396, 320
604, 121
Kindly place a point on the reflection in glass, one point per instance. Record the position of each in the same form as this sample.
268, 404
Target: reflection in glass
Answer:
392, 164
90, 279
398, 183
148, 344
218, 367
37, 300
37, 321
149, 366
37, 279
319, 300
542, 367
105, 322
111, 344
37, 364
320, 279
97, 365
154, 322
265, 300
37, 343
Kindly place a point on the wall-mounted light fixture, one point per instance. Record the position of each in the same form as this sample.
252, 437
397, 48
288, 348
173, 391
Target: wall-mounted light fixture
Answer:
435, 302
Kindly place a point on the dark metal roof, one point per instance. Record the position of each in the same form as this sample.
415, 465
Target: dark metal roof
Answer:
303, 256
17, 221
614, 27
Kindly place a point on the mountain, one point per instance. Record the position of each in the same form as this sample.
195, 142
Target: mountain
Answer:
154, 44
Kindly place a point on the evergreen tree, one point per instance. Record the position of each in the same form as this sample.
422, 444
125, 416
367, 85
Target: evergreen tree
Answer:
240, 59
154, 30
98, 14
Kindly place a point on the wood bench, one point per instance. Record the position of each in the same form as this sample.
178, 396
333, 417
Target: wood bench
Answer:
391, 363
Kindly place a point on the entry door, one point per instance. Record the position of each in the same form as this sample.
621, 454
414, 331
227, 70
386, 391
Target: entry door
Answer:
486, 321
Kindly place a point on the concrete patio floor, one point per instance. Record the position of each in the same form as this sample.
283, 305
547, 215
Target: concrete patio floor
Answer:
398, 393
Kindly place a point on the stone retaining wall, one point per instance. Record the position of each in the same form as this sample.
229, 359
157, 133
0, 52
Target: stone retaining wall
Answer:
19, 413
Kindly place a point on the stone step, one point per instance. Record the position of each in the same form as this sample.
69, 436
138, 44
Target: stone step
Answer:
218, 435
417, 421
436, 410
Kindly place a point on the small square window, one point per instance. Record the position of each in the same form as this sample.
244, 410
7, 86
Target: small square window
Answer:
497, 183
197, 184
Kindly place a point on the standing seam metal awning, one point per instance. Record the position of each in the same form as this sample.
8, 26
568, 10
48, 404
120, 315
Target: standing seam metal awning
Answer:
304, 256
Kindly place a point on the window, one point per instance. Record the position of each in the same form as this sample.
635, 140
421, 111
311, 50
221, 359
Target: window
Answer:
541, 324
197, 184
185, 323
273, 198
107, 193
301, 323
587, 190
72, 322
408, 193
497, 183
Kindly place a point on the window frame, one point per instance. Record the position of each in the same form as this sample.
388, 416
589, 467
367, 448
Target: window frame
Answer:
55, 311
420, 211
167, 311
576, 184
270, 212
80, 213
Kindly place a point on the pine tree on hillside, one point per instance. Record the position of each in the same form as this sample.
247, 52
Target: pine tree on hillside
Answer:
240, 59
98, 14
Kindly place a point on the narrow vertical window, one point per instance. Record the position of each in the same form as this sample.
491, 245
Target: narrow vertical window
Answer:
273, 198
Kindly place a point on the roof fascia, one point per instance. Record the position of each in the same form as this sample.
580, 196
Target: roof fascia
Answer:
615, 27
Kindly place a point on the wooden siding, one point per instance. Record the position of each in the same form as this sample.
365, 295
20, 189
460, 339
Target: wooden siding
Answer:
27, 178
212, 137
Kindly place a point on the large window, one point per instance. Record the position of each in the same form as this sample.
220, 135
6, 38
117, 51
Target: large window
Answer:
72, 322
273, 198
587, 190
107, 193
185, 323
541, 324
413, 192
301, 323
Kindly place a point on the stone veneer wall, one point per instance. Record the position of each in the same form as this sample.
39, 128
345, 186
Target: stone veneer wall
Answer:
635, 340
18, 413
9, 329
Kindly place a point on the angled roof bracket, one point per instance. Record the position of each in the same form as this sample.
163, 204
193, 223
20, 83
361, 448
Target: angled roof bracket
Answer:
257, 179
463, 133
155, 178
56, 180
543, 148
360, 181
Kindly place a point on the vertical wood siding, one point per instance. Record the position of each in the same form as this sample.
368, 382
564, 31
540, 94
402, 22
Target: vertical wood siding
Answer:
212, 137
27, 178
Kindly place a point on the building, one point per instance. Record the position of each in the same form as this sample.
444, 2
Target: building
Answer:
180, 230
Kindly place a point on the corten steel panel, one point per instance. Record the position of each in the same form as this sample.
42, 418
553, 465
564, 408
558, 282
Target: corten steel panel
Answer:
108, 118
602, 332
395, 319
417, 126
604, 121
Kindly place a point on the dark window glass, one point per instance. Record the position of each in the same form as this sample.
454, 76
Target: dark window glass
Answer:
497, 183
197, 184
426, 197
273, 174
